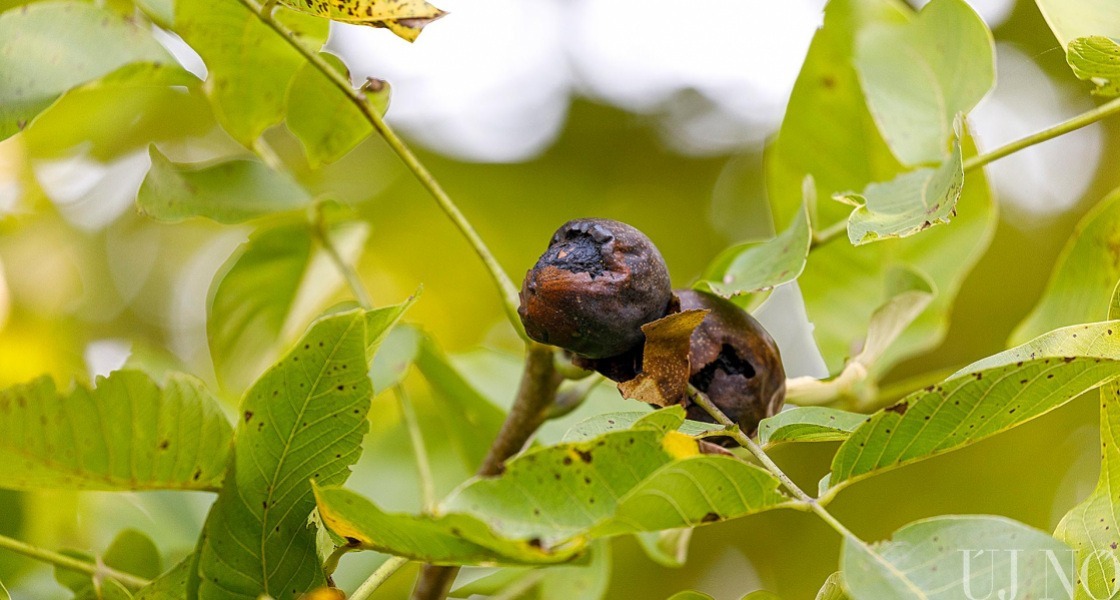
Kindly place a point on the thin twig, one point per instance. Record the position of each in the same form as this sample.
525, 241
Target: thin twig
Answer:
704, 402
378, 577
358, 98
72, 564
423, 464
1084, 119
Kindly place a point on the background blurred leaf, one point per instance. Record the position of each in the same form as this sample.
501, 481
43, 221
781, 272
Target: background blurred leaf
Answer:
323, 118
471, 421
265, 292
907, 204
50, 47
1083, 276
1097, 59
172, 584
405, 18
923, 561
828, 133
304, 419
919, 76
754, 267
395, 357
985, 398
127, 433
579, 582
667, 548
227, 192
250, 66
1071, 19
130, 552
808, 424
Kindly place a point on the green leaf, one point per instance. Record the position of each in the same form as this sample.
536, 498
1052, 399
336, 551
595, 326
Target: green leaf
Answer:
323, 118
4, 594
983, 399
394, 358
172, 584
1092, 528
808, 424
1097, 59
266, 291
829, 133
227, 192
549, 502
756, 267
127, 433
919, 76
579, 582
1072, 19
689, 595
833, 588
1084, 274
48, 48
926, 560
303, 420
762, 595
597, 425
250, 66
908, 204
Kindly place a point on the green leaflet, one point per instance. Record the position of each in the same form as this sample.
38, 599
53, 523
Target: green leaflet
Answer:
250, 66
303, 420
1092, 527
549, 502
47, 48
266, 291
907, 204
808, 424
925, 560
829, 133
1097, 59
1083, 276
919, 76
1072, 19
983, 399
754, 267
227, 192
323, 118
126, 433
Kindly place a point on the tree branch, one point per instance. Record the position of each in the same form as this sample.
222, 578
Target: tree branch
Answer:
72, 564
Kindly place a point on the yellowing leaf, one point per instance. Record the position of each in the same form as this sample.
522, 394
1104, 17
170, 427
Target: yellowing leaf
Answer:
406, 18
665, 368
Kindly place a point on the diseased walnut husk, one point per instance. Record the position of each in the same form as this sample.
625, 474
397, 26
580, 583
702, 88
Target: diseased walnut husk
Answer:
735, 362
594, 287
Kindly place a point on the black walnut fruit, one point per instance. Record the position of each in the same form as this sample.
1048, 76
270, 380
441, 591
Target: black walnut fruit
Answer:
594, 287
734, 361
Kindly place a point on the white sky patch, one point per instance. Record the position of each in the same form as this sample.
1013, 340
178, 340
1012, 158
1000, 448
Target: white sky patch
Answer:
91, 194
105, 356
1047, 178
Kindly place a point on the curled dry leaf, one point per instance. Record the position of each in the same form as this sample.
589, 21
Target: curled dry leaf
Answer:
405, 18
665, 367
